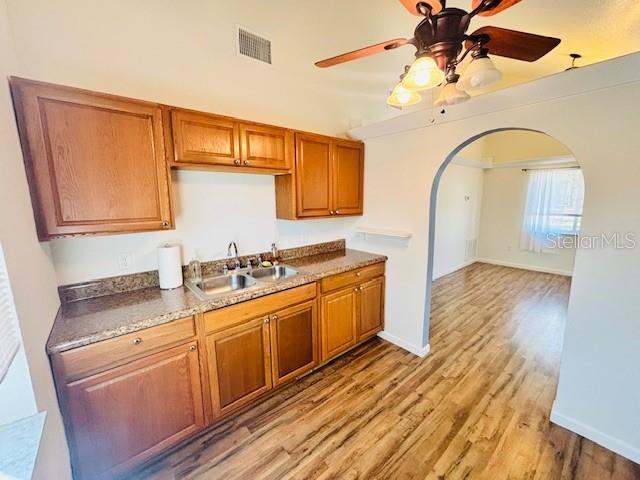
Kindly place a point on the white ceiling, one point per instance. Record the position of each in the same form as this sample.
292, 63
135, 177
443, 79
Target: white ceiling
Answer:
599, 30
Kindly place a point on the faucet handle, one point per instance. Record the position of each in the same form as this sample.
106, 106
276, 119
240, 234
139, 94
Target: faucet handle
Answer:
225, 269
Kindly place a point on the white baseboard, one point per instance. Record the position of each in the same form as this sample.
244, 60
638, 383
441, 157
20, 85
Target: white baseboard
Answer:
454, 269
523, 266
419, 351
605, 440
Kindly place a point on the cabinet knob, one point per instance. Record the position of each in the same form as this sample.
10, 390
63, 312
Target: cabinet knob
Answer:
356, 289
274, 317
358, 274
237, 161
165, 223
332, 212
192, 348
137, 341
337, 212
246, 162
266, 320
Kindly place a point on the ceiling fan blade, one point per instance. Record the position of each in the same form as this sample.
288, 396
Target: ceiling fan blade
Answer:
363, 52
503, 5
436, 6
513, 44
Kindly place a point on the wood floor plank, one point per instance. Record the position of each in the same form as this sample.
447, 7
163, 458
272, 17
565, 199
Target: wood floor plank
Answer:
476, 408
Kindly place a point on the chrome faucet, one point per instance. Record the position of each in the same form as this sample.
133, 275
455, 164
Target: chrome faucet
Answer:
235, 254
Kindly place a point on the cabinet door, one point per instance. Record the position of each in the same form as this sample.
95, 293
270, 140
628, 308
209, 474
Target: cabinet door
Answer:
125, 415
348, 178
205, 139
239, 365
313, 175
266, 147
293, 341
96, 162
338, 322
370, 308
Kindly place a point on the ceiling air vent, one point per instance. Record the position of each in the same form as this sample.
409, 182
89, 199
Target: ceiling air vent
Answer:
254, 46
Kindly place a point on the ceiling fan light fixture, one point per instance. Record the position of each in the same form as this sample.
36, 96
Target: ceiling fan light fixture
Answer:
480, 73
451, 94
401, 97
423, 75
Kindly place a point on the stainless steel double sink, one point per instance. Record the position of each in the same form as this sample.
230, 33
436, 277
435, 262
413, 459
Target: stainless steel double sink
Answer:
216, 285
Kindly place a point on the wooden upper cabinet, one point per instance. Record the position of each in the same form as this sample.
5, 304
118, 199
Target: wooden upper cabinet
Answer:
128, 414
293, 342
267, 147
239, 365
327, 180
95, 162
206, 139
313, 175
348, 178
203, 139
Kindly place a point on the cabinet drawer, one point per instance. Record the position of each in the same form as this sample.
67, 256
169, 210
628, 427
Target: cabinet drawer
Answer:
226, 317
96, 357
352, 277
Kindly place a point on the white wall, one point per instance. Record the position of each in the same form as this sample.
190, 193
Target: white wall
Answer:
184, 53
33, 282
515, 146
212, 209
457, 218
589, 111
503, 203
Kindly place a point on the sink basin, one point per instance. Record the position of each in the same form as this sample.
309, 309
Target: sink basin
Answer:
210, 286
274, 273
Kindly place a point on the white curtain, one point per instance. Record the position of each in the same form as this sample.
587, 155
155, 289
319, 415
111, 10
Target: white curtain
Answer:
553, 207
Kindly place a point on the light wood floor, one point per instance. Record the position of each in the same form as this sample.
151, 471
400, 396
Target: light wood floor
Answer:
476, 408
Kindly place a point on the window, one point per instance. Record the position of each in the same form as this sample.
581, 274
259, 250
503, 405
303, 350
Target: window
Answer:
9, 341
553, 206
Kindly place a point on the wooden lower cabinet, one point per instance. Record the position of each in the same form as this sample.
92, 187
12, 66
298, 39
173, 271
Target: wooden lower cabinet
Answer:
127, 399
370, 308
239, 361
247, 360
125, 415
338, 322
350, 314
293, 342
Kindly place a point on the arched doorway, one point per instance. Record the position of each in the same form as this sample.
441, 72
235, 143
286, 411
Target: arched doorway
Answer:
547, 164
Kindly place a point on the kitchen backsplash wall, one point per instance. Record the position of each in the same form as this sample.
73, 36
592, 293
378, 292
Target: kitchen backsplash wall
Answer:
137, 281
212, 209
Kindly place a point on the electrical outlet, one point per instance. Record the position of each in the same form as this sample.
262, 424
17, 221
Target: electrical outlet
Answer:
125, 260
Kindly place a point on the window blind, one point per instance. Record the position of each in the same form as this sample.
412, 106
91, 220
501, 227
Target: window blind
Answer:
9, 340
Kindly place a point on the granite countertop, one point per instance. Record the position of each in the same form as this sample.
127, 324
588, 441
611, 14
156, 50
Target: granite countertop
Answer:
88, 321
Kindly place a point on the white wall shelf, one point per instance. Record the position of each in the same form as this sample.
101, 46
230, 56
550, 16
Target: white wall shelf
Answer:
384, 232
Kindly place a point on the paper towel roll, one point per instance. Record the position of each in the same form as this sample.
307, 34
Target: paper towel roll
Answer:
169, 266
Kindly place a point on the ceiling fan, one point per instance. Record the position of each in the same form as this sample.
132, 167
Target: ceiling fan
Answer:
440, 39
